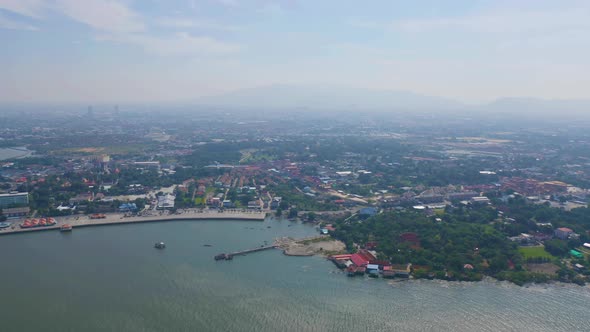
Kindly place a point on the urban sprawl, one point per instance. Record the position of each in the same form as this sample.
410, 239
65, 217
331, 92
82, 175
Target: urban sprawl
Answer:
409, 195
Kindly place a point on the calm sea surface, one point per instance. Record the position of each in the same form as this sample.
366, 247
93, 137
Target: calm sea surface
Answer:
112, 279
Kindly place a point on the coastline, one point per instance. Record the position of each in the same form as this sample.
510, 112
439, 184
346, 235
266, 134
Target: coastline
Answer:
493, 281
120, 219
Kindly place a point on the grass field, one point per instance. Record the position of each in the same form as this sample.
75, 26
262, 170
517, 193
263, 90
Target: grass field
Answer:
533, 252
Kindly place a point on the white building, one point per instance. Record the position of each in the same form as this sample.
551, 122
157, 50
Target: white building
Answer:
166, 201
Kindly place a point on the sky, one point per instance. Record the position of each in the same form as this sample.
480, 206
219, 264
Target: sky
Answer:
179, 50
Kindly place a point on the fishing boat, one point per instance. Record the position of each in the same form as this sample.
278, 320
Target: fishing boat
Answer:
66, 228
26, 224
160, 245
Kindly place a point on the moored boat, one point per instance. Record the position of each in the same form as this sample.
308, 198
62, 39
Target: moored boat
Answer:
26, 224
66, 228
43, 222
5, 224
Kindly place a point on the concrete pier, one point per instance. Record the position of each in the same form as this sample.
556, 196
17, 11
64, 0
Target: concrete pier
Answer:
242, 252
118, 218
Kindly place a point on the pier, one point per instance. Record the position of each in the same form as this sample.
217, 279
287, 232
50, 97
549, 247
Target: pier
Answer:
119, 219
231, 255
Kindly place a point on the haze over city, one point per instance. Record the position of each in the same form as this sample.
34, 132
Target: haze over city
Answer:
179, 51
295, 165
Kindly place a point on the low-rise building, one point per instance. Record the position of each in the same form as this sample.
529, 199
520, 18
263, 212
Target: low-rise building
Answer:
480, 200
16, 212
166, 201
563, 233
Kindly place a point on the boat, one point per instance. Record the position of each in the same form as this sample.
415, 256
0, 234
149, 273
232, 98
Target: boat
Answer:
5, 224
160, 245
43, 222
26, 224
207, 245
66, 228
220, 257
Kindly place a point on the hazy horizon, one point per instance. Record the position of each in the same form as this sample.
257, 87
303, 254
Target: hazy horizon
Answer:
121, 51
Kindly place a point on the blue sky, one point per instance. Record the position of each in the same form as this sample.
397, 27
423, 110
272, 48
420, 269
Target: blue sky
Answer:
178, 50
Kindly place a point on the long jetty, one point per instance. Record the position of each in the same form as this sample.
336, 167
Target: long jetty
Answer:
119, 219
231, 255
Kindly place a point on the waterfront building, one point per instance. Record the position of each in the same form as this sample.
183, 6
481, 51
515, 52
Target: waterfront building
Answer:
166, 201
128, 207
16, 212
14, 200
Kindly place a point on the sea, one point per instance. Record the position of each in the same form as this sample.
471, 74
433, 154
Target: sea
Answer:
111, 278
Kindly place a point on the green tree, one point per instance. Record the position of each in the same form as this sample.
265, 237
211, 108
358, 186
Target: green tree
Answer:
293, 213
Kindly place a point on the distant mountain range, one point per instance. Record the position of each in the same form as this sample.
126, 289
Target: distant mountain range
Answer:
304, 97
293, 96
536, 105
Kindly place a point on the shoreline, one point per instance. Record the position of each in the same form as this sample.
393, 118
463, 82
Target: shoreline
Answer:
120, 219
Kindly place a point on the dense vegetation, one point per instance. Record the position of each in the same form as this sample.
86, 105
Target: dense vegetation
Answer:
464, 246
443, 249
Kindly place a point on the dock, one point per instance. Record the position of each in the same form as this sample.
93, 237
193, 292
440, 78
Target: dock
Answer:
120, 219
231, 255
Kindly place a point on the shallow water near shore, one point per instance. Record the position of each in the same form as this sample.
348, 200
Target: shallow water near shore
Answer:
112, 279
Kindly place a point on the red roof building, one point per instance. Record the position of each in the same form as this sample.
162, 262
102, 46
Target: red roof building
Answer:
359, 260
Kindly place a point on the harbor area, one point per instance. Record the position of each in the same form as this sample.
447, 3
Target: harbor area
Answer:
120, 218
315, 245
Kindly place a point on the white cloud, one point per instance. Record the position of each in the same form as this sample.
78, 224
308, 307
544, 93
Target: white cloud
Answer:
183, 22
31, 8
117, 22
503, 22
228, 3
104, 15
179, 44
271, 9
7, 23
